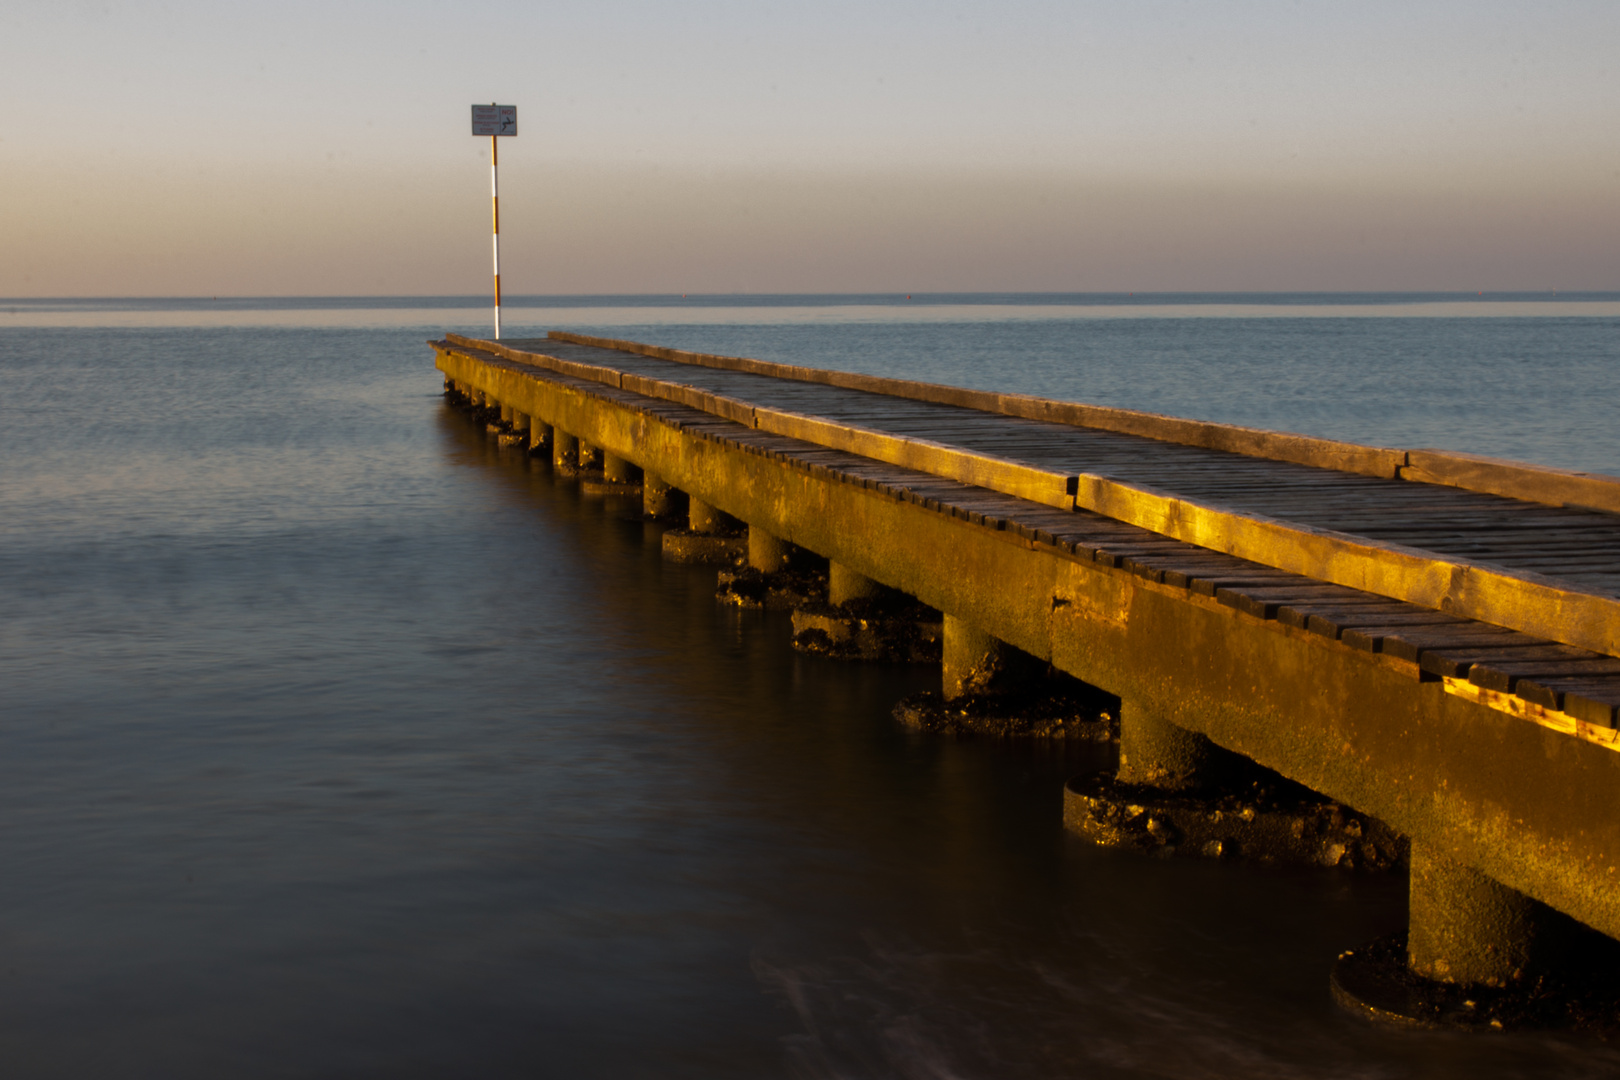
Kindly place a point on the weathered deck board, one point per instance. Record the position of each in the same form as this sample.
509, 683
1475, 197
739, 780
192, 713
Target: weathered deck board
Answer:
1448, 521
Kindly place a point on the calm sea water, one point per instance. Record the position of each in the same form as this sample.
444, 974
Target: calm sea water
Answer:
334, 741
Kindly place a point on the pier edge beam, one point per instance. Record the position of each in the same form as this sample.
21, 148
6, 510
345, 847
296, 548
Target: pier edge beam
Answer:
766, 553
844, 585
659, 499
564, 449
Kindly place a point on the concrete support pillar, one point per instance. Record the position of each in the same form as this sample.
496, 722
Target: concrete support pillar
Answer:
590, 457
564, 449
766, 553
617, 470
701, 517
844, 585
1464, 927
539, 435
658, 499
976, 663
1154, 751
506, 414
520, 420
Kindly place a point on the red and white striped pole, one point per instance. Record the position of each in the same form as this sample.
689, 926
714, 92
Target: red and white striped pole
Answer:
495, 120
495, 208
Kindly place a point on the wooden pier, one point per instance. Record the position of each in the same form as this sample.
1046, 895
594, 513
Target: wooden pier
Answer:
1430, 638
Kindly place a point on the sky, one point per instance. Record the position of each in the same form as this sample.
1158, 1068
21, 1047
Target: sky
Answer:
192, 149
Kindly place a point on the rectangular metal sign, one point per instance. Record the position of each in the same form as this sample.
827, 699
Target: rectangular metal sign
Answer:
494, 119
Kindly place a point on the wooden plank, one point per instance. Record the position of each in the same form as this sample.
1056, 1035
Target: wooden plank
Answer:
1023, 481
1597, 704
1593, 699
738, 412
1411, 644
1336, 613
1240, 579
1520, 601
1008, 477
1367, 632
1463, 471
1504, 674
1457, 661
1516, 480
1265, 603
590, 372
1251, 442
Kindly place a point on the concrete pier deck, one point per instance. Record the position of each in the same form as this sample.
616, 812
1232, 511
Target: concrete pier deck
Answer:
1430, 638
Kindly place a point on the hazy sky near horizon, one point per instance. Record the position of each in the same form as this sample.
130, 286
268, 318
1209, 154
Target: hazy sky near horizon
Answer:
323, 148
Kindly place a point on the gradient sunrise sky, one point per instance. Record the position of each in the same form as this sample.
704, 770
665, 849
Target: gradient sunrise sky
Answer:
152, 149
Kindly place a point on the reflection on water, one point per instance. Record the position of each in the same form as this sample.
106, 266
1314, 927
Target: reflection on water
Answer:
334, 740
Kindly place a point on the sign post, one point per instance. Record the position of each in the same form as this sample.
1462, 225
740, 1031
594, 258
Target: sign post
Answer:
495, 121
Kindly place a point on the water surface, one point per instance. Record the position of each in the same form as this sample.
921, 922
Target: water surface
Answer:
334, 741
